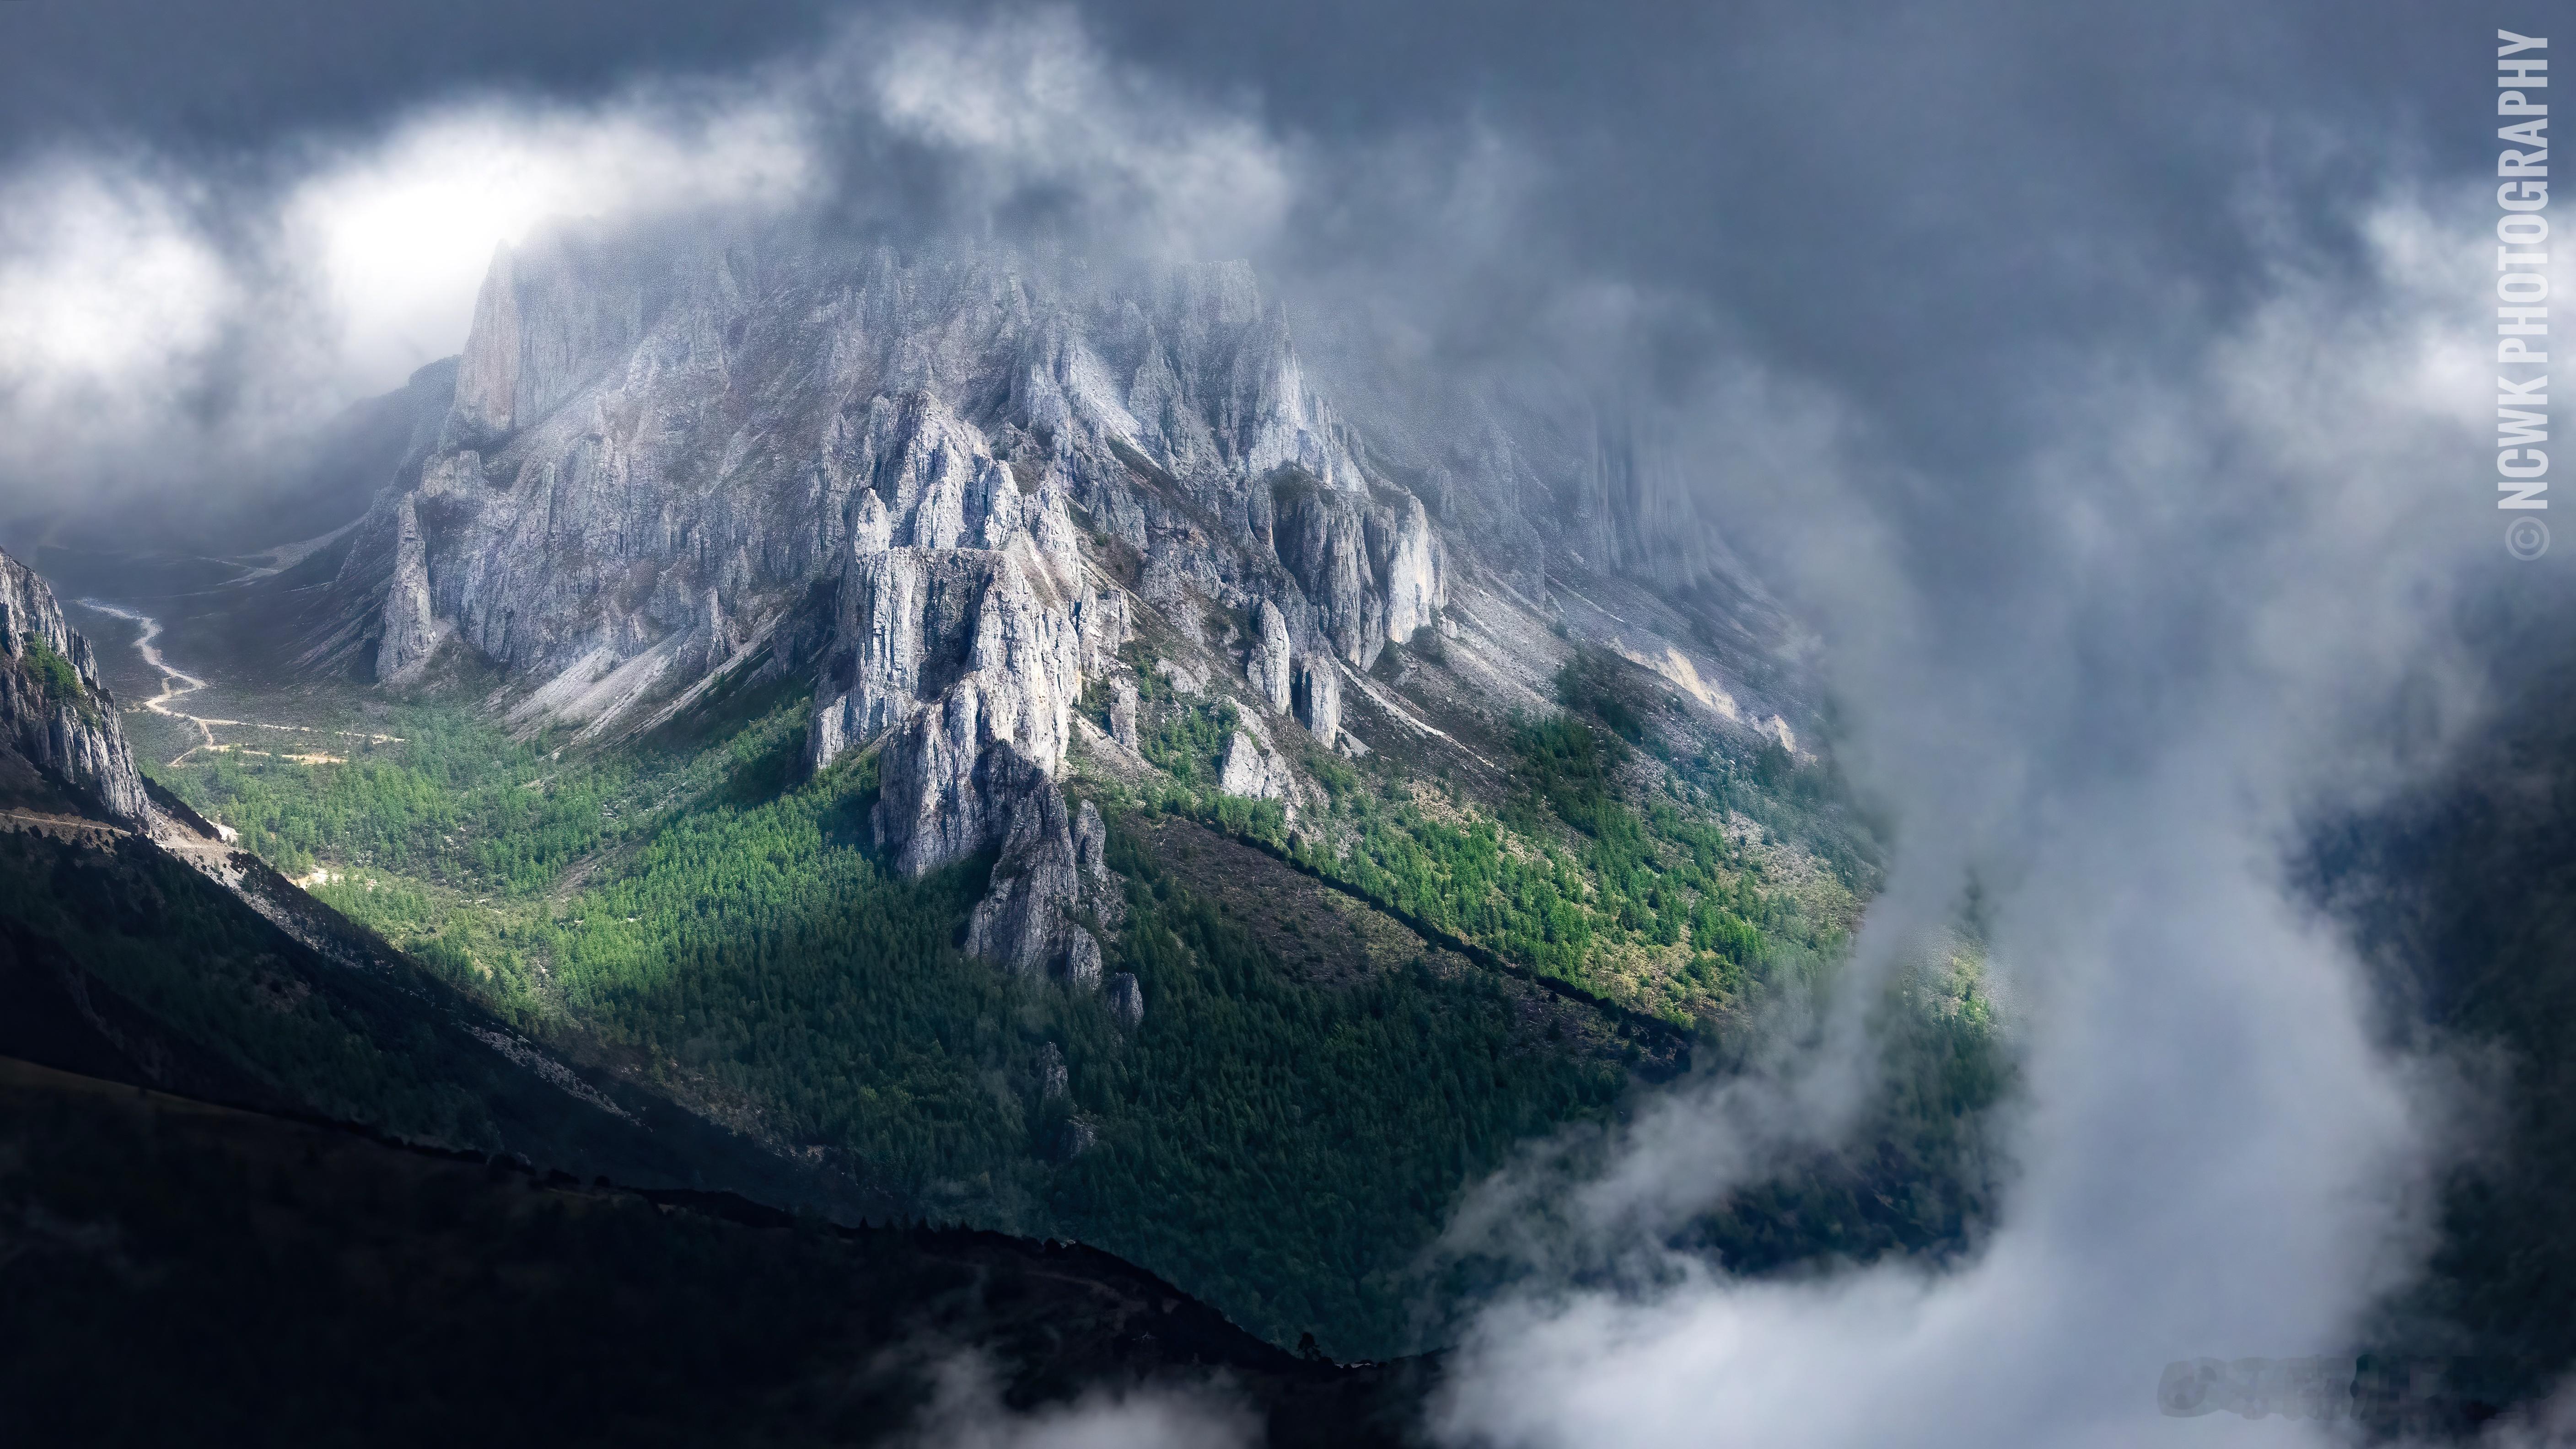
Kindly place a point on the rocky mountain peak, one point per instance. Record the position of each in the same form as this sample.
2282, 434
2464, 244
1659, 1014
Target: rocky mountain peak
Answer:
54, 711
946, 483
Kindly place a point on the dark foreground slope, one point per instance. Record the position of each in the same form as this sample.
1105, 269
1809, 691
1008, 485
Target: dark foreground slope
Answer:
119, 960
174, 1272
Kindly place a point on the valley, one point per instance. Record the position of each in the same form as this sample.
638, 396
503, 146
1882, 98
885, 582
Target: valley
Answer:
1123, 726
686, 913
1225, 866
176, 685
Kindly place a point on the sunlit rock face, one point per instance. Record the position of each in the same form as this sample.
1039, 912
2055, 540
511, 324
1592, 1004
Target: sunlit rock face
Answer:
943, 483
1122, 712
1371, 569
53, 709
638, 427
657, 452
1267, 666
411, 633
1318, 698
1248, 770
969, 671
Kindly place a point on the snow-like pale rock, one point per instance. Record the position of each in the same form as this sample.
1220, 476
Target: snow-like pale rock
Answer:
1267, 665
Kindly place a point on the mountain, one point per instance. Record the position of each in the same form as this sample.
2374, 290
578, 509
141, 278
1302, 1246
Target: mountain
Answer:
951, 488
137, 944
996, 740
385, 1138
60, 739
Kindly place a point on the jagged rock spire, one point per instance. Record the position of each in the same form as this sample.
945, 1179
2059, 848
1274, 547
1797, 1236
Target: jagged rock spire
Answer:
53, 708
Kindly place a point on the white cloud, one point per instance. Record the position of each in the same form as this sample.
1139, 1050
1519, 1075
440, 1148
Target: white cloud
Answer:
158, 328
107, 279
397, 236
966, 1412
1034, 108
2214, 582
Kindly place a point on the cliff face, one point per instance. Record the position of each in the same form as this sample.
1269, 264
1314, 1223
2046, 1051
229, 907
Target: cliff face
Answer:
53, 710
630, 434
651, 457
966, 473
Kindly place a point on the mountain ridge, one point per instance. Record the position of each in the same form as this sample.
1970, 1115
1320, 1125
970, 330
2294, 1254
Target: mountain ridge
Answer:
947, 486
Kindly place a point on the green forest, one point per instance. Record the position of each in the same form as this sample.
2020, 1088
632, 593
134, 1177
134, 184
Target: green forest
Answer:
1657, 908
1284, 1147
131, 915
1281, 1147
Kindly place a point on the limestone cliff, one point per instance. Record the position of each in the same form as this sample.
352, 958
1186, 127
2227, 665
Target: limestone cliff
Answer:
1267, 667
411, 628
969, 669
634, 431
1249, 770
947, 485
53, 709
1318, 699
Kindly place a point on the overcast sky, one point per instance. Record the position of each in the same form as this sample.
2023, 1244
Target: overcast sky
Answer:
1861, 189
2104, 385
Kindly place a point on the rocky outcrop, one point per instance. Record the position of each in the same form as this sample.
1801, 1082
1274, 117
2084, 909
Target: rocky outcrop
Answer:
487, 374
1321, 538
1126, 1000
53, 709
966, 662
1250, 771
1372, 570
1122, 711
914, 625
551, 316
1082, 960
411, 627
1050, 868
915, 476
1318, 698
1024, 922
1268, 662
957, 660
1406, 555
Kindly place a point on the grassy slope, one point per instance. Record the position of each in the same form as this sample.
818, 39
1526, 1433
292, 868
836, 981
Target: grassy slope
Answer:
1662, 887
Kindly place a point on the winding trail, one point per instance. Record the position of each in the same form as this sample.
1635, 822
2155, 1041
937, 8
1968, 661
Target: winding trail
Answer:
178, 684
175, 683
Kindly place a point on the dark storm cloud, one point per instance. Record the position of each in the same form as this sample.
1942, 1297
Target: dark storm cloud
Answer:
1923, 202
241, 75
1932, 205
